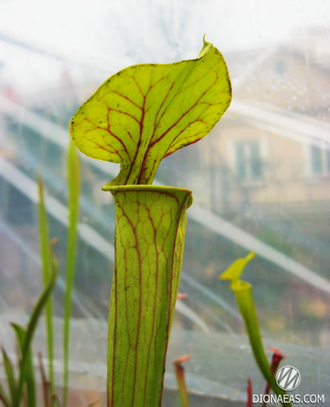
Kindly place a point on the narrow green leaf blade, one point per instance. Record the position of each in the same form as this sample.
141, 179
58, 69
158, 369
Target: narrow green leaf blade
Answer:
47, 265
146, 112
33, 322
9, 369
243, 293
3, 397
30, 381
74, 193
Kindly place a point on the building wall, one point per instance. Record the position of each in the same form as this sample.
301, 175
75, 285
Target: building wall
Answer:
287, 177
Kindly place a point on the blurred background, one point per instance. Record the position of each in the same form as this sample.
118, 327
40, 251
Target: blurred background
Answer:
260, 179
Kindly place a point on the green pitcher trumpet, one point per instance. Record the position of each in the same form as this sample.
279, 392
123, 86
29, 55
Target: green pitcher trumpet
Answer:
136, 118
149, 242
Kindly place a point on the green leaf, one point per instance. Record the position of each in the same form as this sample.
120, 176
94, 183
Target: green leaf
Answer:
150, 231
146, 112
10, 376
96, 403
46, 268
243, 293
55, 400
30, 381
33, 322
233, 273
3, 397
74, 193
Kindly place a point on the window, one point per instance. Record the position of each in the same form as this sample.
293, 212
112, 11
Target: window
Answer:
249, 168
320, 161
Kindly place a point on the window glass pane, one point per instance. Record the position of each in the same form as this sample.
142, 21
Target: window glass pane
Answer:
316, 160
256, 178
241, 161
327, 152
256, 164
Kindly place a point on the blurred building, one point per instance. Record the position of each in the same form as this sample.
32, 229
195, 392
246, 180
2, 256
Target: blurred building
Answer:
273, 148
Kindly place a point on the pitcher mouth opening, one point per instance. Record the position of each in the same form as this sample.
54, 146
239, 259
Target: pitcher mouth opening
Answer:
148, 188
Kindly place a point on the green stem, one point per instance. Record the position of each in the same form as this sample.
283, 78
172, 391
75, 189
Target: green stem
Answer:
30, 381
3, 397
243, 293
46, 275
9, 369
246, 306
74, 193
34, 319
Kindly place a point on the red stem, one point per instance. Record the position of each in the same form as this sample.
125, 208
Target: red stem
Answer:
276, 359
179, 372
45, 381
249, 393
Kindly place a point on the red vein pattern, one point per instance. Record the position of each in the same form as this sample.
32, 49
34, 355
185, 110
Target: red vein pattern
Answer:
149, 244
147, 112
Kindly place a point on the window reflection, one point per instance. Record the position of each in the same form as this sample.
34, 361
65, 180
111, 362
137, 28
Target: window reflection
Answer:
320, 161
248, 161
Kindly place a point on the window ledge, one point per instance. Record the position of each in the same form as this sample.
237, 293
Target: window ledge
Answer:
218, 370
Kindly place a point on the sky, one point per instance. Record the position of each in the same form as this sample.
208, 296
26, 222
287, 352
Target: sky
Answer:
106, 36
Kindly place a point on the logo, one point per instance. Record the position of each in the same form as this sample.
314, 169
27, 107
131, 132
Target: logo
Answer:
288, 378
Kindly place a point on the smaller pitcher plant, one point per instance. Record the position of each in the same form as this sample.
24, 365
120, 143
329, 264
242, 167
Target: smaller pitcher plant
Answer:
136, 118
244, 298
